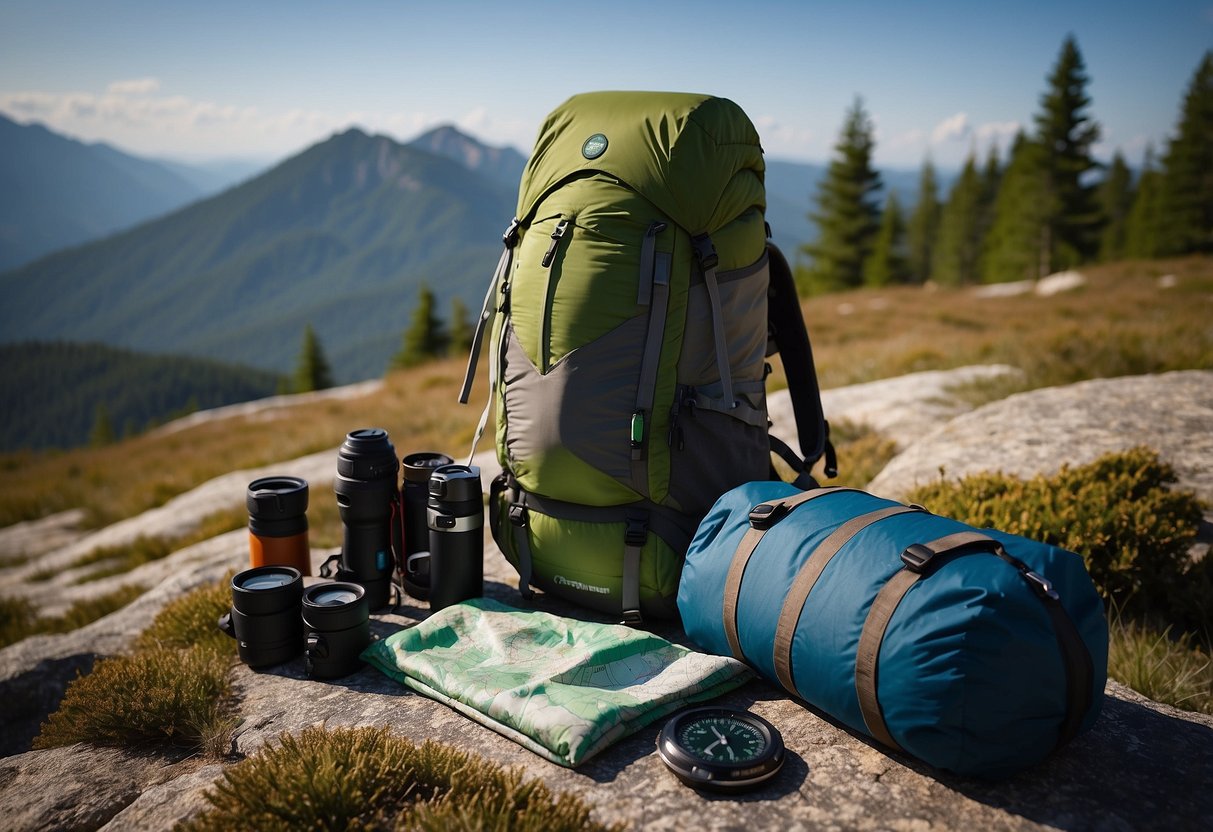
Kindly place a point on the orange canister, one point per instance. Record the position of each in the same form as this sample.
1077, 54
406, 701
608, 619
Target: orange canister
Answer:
277, 523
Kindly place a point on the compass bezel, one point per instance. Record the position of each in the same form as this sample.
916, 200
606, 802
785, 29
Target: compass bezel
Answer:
693, 770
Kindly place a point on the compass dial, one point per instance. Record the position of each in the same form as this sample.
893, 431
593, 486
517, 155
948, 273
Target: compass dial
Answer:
717, 738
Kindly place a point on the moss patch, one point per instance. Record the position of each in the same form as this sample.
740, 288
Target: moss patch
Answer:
367, 778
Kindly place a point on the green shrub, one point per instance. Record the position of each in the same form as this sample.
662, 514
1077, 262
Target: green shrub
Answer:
156, 696
367, 778
1117, 512
191, 620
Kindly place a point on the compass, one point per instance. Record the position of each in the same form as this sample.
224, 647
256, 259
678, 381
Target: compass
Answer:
724, 749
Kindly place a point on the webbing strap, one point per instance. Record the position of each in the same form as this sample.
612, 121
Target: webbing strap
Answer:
1076, 659
487, 313
650, 363
634, 537
522, 546
705, 253
775, 511
489, 310
806, 579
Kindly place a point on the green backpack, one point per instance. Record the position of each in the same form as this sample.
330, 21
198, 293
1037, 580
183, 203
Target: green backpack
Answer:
630, 317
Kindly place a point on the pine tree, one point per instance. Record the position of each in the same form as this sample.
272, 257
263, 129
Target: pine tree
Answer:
461, 328
958, 252
1115, 202
312, 371
102, 432
847, 214
1142, 229
425, 339
887, 262
1065, 134
1016, 246
923, 228
1186, 192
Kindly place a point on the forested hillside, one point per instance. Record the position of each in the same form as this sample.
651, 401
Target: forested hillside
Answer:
1050, 205
63, 394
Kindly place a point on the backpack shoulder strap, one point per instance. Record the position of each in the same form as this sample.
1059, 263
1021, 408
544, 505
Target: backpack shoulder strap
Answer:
792, 342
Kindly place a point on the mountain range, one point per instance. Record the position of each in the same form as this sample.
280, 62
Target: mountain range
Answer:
57, 192
340, 236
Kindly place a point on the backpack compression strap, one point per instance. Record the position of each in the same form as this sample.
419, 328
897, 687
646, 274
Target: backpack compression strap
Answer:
485, 322
792, 341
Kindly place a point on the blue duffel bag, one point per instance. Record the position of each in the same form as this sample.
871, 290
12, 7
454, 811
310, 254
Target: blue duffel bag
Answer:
979, 652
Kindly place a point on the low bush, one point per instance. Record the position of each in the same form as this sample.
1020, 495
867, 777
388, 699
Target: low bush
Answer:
367, 778
155, 696
191, 620
1118, 512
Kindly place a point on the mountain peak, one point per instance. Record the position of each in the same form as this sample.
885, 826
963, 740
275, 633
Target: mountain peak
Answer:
504, 164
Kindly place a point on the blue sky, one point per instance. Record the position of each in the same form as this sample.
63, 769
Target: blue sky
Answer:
263, 80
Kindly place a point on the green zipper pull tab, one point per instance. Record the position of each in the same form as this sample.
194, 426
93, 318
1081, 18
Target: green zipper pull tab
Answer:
637, 432
561, 227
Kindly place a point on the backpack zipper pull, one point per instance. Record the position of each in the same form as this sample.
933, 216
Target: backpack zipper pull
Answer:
561, 227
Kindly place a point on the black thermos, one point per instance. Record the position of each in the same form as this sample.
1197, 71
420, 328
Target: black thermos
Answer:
417, 468
455, 517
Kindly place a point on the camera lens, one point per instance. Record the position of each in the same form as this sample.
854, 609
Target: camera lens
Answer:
264, 618
455, 516
417, 469
366, 487
336, 621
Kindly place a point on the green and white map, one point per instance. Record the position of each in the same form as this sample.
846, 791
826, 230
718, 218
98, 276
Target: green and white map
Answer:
563, 688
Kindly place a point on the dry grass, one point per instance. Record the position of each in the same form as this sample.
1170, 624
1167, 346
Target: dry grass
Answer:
1120, 323
417, 407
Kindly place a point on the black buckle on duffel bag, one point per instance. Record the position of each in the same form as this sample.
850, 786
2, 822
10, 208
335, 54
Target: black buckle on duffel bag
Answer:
916, 557
765, 515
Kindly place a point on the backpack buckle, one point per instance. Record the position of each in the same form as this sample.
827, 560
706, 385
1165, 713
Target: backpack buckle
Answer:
916, 557
705, 252
637, 531
518, 515
765, 515
510, 237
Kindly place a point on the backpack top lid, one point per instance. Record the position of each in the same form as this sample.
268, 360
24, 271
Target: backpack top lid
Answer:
695, 157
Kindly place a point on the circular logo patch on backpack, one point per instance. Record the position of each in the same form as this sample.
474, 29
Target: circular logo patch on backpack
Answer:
594, 146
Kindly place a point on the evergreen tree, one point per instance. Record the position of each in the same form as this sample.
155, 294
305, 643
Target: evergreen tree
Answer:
1186, 192
887, 262
958, 252
923, 228
847, 214
1016, 247
312, 371
102, 432
1115, 202
1065, 134
1142, 229
991, 181
426, 338
462, 331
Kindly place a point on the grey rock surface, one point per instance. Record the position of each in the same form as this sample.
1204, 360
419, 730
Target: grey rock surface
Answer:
1038, 431
1143, 766
903, 409
1122, 775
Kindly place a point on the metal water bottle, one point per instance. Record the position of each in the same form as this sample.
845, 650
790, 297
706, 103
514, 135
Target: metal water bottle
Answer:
455, 516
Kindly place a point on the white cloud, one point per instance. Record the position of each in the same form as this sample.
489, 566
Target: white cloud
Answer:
134, 86
910, 138
952, 128
782, 139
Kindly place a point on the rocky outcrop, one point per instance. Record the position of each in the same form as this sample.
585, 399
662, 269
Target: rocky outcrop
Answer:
1038, 431
1144, 765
